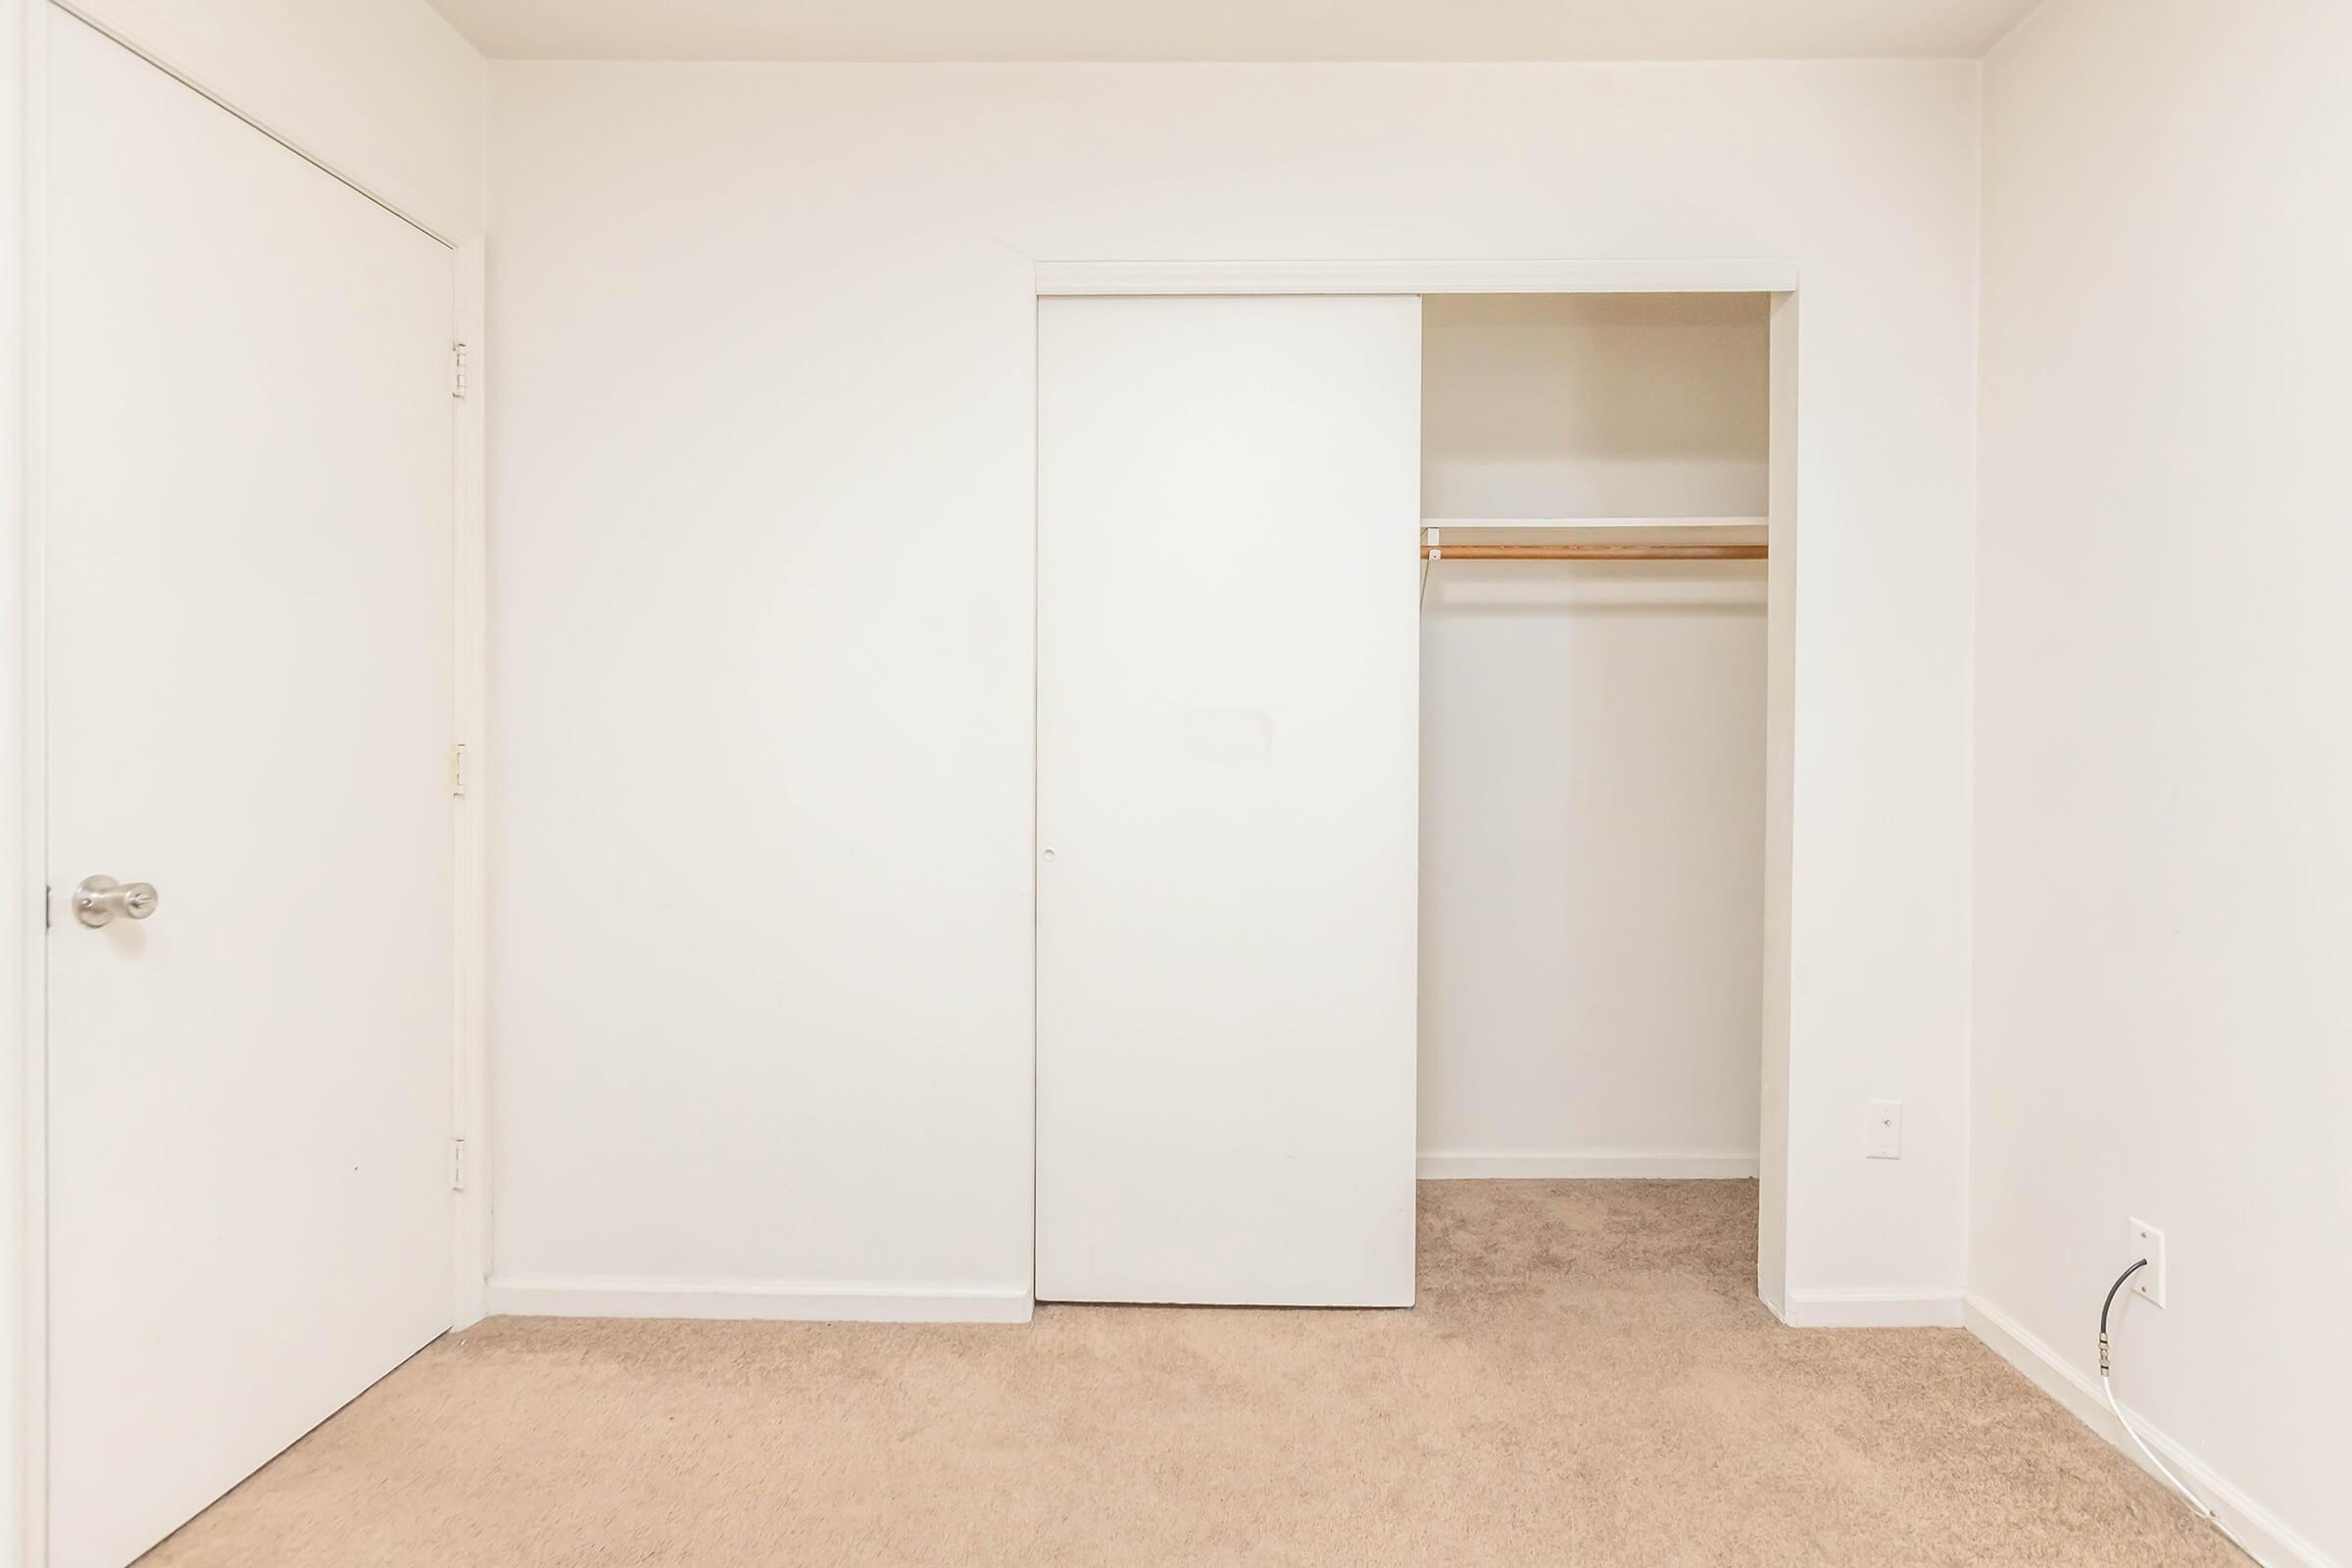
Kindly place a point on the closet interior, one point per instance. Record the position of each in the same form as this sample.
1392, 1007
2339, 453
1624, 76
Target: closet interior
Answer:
1592, 733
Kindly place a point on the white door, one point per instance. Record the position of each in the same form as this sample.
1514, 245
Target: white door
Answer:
1227, 499
249, 479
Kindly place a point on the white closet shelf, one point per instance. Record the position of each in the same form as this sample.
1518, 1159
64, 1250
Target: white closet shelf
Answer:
1594, 522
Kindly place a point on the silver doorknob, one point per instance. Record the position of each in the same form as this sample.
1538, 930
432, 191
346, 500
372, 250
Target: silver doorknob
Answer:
97, 899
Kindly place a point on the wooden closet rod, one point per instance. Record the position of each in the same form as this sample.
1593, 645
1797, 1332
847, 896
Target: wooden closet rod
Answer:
1594, 552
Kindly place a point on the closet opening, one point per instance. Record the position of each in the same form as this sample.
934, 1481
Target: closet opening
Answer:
1413, 770
1594, 637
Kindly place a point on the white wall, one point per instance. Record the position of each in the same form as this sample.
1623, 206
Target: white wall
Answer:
763, 515
2163, 741
385, 92
1593, 757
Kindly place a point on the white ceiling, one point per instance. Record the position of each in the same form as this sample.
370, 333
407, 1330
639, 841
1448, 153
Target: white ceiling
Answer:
1230, 29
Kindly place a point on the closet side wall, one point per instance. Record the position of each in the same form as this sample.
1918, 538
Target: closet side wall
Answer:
1592, 744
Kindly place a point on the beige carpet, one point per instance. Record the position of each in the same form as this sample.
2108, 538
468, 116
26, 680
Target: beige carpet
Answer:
1588, 1380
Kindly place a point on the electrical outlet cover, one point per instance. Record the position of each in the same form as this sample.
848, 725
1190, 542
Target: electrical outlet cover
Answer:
1883, 1130
2148, 1241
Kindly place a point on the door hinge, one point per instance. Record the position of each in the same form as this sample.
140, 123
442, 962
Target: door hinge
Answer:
457, 1164
457, 770
458, 384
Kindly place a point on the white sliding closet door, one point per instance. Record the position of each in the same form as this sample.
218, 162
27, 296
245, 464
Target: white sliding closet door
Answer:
1227, 499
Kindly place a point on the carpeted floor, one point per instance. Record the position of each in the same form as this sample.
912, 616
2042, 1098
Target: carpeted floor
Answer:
1588, 1380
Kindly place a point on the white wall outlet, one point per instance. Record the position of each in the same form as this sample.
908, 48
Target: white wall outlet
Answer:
1882, 1136
2148, 1241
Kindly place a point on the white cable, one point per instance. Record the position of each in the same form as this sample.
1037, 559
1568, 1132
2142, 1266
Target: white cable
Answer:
2107, 1386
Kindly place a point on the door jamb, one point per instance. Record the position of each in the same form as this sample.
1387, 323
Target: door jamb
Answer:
23, 805
470, 605
22, 916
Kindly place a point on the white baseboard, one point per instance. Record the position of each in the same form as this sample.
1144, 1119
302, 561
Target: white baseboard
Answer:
776, 1301
1871, 1309
1606, 1165
2272, 1543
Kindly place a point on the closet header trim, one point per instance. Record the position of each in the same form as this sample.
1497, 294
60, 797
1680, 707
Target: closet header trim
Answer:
1720, 275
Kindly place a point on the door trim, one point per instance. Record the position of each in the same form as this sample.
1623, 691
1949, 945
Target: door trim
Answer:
24, 908
1775, 278
1734, 276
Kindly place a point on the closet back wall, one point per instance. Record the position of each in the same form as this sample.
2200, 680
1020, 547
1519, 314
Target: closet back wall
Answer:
763, 352
1592, 744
